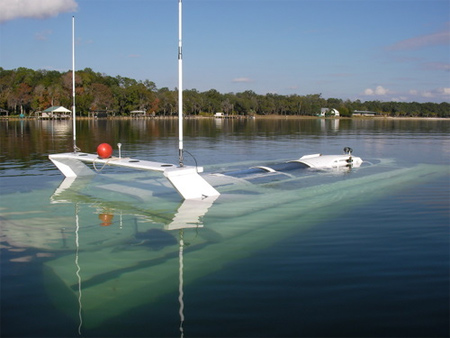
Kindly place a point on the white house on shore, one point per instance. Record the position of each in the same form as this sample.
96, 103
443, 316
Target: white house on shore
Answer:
365, 113
328, 112
55, 112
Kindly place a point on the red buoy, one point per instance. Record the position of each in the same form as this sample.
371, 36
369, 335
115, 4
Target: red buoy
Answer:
104, 150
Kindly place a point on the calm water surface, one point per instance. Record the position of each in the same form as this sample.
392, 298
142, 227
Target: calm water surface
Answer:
354, 253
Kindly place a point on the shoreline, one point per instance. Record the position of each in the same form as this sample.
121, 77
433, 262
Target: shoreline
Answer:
263, 117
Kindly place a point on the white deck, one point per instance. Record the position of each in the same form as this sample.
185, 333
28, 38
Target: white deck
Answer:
116, 161
185, 180
318, 161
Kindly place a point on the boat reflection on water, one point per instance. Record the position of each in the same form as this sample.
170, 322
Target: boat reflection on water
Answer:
128, 270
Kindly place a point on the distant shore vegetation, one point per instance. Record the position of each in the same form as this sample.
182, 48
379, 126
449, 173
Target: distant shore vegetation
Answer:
27, 92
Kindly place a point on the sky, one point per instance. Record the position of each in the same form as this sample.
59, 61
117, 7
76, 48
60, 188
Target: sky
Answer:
387, 50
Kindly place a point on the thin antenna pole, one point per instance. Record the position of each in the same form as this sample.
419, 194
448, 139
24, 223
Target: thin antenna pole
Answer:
75, 148
180, 86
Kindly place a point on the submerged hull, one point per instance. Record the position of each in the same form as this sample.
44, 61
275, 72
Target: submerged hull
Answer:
173, 244
187, 180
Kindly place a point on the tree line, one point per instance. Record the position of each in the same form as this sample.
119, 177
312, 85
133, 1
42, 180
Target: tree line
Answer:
26, 91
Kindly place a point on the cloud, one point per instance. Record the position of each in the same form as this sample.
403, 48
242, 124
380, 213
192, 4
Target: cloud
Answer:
242, 80
445, 91
400, 99
435, 39
437, 66
379, 90
442, 93
437, 94
43, 35
14, 9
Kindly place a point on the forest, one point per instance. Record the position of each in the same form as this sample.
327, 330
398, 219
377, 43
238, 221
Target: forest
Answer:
27, 91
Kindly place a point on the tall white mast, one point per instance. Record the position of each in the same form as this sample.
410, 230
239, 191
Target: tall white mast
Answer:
180, 87
75, 148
